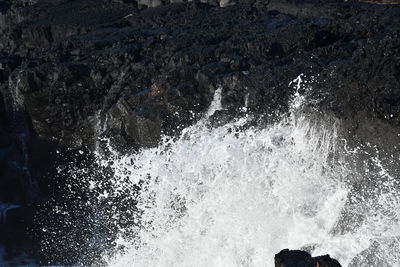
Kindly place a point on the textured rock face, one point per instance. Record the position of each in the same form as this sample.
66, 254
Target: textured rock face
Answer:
156, 3
298, 258
104, 68
74, 72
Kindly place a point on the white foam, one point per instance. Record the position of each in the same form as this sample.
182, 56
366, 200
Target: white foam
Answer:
235, 196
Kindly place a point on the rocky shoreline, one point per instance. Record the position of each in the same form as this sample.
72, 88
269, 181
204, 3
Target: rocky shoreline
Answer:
73, 73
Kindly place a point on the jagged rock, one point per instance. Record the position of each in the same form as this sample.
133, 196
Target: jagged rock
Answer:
157, 3
72, 72
298, 258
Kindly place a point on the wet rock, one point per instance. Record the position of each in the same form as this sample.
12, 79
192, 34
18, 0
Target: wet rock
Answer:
76, 72
298, 258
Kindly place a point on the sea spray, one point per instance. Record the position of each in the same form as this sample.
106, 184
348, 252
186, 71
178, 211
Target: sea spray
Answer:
232, 197
225, 197
236, 195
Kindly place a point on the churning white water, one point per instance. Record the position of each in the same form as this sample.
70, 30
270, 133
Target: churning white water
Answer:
236, 195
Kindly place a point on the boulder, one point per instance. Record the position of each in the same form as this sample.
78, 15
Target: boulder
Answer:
299, 258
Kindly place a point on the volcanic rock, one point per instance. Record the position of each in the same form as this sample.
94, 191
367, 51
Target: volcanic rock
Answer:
76, 73
299, 258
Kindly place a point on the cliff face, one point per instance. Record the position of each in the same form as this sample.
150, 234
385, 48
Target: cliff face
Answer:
74, 72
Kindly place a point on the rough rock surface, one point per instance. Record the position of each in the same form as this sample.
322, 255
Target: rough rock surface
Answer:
299, 258
74, 72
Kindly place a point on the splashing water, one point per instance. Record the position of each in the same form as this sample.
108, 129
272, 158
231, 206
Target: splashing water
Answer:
236, 195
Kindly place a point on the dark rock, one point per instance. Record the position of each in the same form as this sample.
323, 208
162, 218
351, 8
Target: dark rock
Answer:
8, 65
75, 72
157, 3
298, 258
